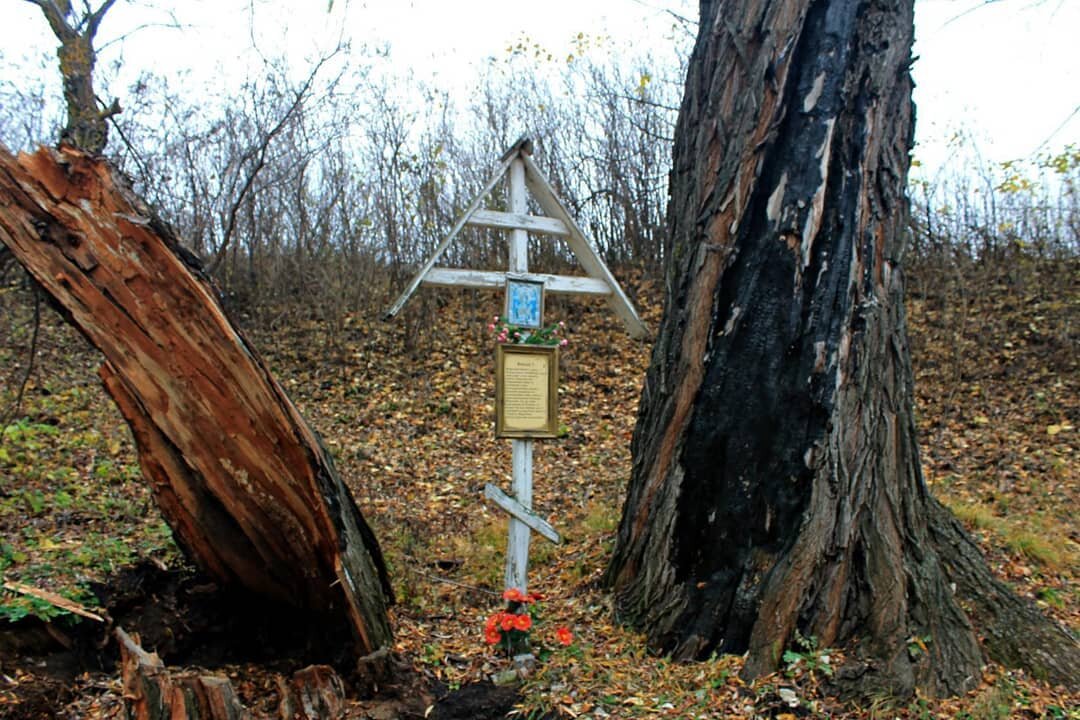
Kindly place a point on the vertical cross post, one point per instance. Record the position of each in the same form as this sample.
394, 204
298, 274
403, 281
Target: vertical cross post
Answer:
517, 552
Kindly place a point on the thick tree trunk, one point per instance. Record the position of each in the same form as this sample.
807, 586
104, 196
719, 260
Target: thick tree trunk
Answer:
251, 494
776, 484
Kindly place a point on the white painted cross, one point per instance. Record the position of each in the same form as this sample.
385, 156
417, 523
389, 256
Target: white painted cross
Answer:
557, 221
523, 173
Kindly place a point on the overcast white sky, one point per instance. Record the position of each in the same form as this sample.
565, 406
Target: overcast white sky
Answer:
1007, 73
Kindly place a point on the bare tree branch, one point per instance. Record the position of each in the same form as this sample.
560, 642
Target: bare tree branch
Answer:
1066, 121
93, 20
259, 153
56, 17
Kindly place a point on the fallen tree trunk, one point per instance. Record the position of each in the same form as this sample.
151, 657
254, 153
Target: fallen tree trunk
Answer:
247, 487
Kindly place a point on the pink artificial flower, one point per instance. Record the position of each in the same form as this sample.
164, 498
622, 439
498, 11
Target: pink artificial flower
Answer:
564, 343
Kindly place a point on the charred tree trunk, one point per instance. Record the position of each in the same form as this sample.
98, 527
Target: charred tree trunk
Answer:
776, 484
247, 487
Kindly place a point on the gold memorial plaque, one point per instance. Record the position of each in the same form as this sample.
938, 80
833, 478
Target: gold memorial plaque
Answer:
526, 391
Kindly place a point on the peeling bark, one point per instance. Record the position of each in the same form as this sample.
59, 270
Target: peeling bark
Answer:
314, 693
151, 692
776, 484
247, 487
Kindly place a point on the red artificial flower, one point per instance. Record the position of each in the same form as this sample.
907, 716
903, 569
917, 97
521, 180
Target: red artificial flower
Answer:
533, 597
564, 636
493, 621
514, 595
492, 637
522, 622
507, 621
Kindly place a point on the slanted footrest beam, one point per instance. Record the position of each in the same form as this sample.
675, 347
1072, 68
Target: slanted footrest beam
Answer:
522, 513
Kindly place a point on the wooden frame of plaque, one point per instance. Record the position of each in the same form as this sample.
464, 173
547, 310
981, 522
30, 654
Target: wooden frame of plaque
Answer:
526, 391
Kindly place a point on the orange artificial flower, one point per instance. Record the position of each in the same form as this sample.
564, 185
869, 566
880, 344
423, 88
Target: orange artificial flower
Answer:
513, 595
564, 636
522, 622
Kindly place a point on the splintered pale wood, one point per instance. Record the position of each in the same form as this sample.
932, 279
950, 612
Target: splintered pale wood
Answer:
250, 492
314, 693
151, 692
53, 599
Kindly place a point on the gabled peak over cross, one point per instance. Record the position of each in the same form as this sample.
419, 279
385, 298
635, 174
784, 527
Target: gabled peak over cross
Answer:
523, 145
526, 179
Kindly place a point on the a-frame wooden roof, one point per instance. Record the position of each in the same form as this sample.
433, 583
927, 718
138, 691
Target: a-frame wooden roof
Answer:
556, 221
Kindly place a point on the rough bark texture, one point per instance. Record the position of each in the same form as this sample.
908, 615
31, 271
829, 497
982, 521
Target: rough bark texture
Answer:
314, 693
776, 484
245, 484
153, 693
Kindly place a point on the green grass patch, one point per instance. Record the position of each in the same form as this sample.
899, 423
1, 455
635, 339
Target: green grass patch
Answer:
1034, 537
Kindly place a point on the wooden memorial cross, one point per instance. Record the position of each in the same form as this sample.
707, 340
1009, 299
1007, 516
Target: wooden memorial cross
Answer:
524, 177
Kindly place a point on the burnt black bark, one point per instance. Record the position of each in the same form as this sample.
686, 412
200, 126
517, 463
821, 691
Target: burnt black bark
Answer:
776, 484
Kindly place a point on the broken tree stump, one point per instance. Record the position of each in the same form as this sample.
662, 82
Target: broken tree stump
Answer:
250, 492
153, 693
313, 693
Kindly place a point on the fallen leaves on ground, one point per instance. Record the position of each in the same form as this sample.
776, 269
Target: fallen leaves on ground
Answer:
407, 410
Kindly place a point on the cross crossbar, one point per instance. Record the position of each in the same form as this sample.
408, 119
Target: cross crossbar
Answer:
494, 280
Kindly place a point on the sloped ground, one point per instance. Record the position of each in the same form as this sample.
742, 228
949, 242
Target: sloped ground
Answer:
411, 430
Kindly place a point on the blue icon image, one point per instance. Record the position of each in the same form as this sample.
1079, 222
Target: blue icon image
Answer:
524, 305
